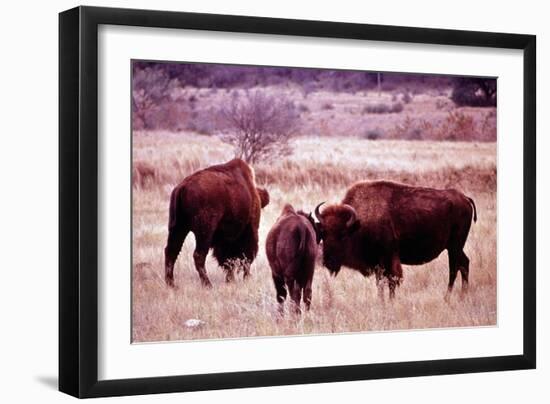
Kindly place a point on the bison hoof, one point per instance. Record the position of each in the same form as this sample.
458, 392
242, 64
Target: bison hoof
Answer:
206, 283
297, 310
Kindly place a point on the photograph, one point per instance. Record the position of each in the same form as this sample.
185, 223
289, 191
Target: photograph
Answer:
272, 201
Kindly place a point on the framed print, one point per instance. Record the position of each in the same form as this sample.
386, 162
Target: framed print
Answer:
251, 201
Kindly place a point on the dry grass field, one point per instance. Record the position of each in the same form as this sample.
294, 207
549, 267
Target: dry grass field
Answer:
320, 169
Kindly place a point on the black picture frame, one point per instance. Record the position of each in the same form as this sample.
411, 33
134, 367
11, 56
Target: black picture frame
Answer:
78, 201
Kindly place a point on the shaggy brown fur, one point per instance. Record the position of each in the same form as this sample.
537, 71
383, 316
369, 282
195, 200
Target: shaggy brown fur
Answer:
291, 248
221, 206
381, 224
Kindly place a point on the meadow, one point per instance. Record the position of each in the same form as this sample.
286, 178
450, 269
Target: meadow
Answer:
320, 169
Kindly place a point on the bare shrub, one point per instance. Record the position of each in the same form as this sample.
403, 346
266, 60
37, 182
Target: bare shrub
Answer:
143, 174
397, 108
150, 89
303, 108
407, 98
259, 126
168, 115
489, 126
203, 121
308, 87
457, 126
376, 109
381, 108
444, 104
411, 129
374, 134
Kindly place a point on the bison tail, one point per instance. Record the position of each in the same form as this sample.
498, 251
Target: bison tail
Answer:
473, 206
172, 215
302, 234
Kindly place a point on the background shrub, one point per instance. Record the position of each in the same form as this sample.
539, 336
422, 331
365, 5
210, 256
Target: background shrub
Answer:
374, 134
381, 108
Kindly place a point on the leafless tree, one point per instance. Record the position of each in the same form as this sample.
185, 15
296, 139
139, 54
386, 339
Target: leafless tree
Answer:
150, 88
259, 126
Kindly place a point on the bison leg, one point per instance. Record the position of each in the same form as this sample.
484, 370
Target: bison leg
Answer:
249, 243
201, 251
453, 270
171, 252
463, 264
394, 273
295, 294
307, 295
280, 291
229, 277
392, 284
246, 269
200, 258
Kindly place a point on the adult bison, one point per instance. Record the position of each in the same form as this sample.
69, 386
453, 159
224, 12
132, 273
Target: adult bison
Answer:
380, 225
221, 206
291, 249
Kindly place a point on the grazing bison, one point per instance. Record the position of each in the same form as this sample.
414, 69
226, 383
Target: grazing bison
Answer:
291, 248
221, 206
380, 225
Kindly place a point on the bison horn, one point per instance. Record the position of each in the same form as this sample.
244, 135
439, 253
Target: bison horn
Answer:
318, 214
352, 215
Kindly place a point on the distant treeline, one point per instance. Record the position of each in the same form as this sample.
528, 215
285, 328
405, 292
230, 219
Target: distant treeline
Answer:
230, 76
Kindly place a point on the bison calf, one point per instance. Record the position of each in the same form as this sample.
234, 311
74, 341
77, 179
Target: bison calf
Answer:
291, 249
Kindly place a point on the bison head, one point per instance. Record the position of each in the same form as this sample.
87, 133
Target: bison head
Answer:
336, 225
264, 196
314, 224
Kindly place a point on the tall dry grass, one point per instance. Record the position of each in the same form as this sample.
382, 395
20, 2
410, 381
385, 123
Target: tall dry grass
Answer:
320, 170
